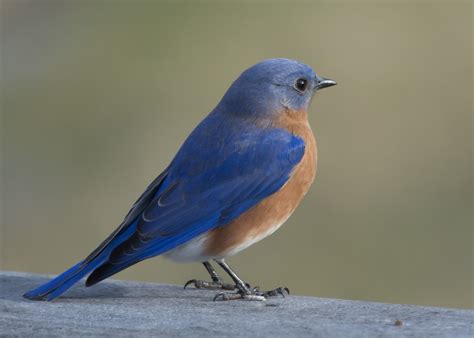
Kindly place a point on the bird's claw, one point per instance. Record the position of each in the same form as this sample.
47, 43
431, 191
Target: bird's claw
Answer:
283, 291
223, 296
201, 284
254, 294
227, 296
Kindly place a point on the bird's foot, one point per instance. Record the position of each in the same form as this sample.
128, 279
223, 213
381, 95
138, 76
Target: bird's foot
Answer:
280, 291
238, 295
254, 294
214, 285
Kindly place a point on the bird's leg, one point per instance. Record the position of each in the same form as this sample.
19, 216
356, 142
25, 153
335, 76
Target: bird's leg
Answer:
244, 291
217, 282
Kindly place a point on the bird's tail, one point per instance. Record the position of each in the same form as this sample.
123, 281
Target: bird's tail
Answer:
64, 281
99, 256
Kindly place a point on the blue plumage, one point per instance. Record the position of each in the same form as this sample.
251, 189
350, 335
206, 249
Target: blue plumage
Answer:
208, 185
233, 160
227, 165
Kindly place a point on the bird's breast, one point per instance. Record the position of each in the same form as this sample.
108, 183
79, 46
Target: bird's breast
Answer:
267, 216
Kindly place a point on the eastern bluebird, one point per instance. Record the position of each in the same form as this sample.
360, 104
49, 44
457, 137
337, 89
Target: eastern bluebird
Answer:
236, 179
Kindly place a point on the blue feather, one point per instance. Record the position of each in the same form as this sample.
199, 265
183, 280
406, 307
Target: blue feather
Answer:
64, 281
209, 184
232, 160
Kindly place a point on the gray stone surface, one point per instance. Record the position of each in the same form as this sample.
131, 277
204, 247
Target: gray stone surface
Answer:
117, 308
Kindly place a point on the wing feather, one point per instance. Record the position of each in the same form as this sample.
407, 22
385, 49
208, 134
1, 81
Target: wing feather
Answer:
207, 185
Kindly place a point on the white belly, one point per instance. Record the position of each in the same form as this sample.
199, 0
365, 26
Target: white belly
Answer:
195, 249
191, 251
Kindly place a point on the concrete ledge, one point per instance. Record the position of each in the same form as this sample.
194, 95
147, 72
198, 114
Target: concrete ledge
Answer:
116, 308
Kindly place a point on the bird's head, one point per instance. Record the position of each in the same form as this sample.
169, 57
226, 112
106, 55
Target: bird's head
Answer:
272, 85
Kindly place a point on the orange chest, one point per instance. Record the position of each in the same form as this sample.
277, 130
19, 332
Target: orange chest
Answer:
265, 218
304, 172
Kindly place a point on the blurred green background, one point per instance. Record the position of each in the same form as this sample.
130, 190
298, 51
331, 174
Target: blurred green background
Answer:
97, 96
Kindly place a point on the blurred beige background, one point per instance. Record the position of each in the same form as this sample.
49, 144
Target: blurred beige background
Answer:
97, 96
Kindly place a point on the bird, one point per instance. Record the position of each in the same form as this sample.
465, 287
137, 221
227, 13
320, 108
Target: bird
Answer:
235, 180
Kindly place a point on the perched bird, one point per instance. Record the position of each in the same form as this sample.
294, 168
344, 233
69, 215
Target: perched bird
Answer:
236, 179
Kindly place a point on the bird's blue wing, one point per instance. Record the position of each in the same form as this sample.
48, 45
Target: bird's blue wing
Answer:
218, 174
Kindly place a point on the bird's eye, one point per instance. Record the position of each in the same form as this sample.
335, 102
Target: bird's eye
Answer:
301, 85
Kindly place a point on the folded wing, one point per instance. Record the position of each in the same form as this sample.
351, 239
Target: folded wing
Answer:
208, 184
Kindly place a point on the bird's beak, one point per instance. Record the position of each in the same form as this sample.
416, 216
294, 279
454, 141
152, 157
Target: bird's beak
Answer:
324, 83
